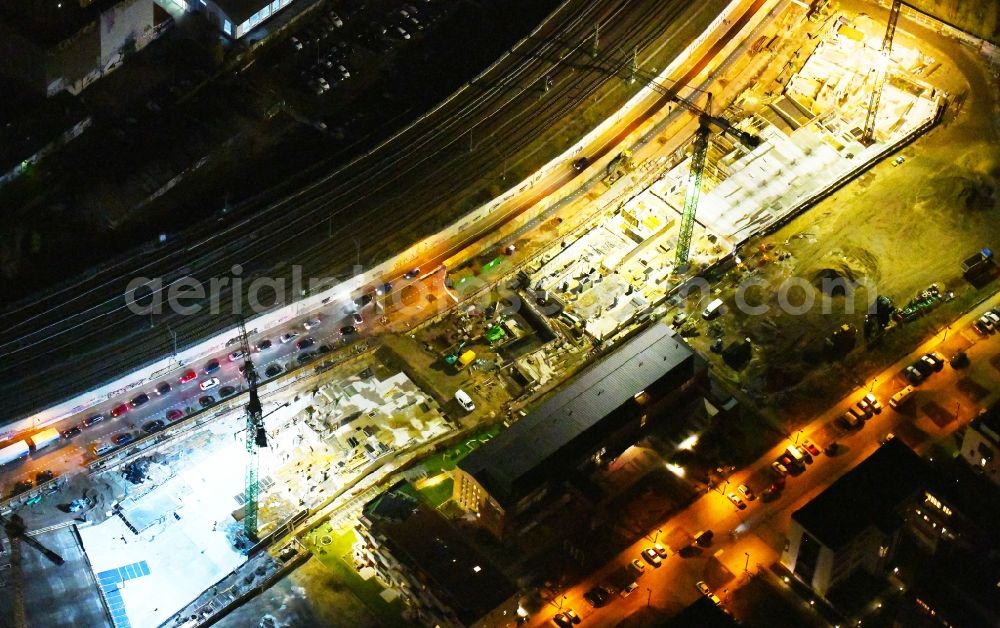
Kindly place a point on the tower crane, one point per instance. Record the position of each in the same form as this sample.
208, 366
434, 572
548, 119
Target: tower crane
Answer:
881, 71
706, 122
256, 437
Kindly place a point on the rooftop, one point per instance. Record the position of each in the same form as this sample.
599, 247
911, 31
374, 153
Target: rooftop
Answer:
46, 23
869, 494
560, 425
419, 537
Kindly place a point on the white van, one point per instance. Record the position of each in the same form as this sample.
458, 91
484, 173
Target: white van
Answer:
102, 448
464, 400
901, 396
712, 310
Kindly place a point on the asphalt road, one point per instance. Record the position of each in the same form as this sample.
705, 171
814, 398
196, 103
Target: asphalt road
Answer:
81, 334
69, 453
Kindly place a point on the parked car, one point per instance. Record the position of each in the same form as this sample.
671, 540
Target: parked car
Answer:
935, 360
305, 343
188, 376
311, 323
286, 338
97, 418
638, 566
236, 355
209, 383
810, 447
580, 164
347, 330
139, 400
779, 469
597, 596
703, 588
272, 370
358, 319
264, 345
464, 400
119, 410
153, 426
363, 300
739, 503
163, 388
870, 404
627, 591
913, 375
746, 492
70, 432
227, 391
206, 401
652, 557
123, 439
173, 415
659, 549
211, 367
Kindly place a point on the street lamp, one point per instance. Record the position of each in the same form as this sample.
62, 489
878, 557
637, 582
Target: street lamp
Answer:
657, 535
872, 387
649, 596
746, 565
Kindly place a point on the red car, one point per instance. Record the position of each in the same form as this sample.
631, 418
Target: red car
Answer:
187, 377
173, 415
117, 411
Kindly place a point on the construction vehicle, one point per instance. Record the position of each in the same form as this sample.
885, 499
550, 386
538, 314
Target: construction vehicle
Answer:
452, 357
466, 359
919, 305
977, 264
619, 167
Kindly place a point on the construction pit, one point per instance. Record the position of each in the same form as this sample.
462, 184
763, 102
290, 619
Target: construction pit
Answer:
895, 230
811, 142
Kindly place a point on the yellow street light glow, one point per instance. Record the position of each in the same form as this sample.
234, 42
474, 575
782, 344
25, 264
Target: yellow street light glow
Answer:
689, 442
676, 469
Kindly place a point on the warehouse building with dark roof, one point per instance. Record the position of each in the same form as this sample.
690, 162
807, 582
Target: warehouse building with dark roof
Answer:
601, 411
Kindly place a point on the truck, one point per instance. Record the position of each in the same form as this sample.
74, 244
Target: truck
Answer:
45, 437
466, 359
12, 452
976, 264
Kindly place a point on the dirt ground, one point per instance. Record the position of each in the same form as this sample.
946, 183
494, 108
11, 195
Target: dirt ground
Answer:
893, 231
309, 596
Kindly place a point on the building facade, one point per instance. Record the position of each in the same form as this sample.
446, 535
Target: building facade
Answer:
981, 444
236, 18
54, 46
858, 521
443, 579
